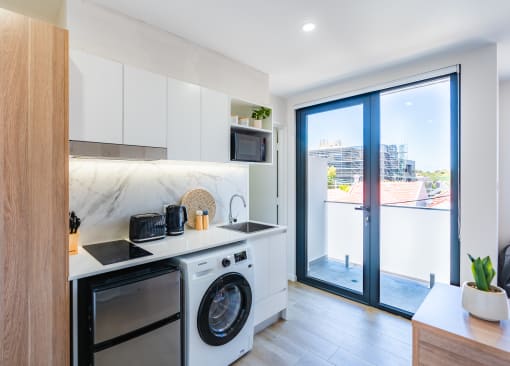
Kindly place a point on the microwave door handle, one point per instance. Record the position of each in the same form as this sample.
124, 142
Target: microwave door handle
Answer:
263, 150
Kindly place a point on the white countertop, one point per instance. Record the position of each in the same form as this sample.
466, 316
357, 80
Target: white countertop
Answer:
84, 265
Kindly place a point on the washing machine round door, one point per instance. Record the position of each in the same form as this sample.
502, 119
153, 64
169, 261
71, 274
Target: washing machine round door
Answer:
224, 309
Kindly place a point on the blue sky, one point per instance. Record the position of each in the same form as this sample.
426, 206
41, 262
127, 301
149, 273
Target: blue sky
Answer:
418, 117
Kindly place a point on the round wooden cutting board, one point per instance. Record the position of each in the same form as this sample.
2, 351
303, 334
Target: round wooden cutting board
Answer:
198, 199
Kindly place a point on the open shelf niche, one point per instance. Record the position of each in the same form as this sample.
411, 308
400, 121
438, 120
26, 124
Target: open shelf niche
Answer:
244, 109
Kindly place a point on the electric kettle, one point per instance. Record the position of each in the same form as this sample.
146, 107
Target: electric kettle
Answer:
176, 217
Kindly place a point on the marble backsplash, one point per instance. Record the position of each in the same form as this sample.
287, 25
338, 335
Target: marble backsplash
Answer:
105, 193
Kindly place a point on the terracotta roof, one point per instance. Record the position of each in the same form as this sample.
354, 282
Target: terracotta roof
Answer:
413, 194
440, 201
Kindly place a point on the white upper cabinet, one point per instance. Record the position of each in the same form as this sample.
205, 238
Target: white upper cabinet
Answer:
215, 123
121, 104
183, 136
95, 98
145, 108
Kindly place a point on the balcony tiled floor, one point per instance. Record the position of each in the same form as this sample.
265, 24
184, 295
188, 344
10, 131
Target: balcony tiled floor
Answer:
396, 291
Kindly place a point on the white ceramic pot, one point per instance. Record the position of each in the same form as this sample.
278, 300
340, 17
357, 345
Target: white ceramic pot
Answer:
257, 123
487, 305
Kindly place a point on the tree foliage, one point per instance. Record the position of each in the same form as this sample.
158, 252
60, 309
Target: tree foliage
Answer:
436, 177
331, 176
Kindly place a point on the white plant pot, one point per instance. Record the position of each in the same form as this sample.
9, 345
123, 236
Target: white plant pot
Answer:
257, 123
492, 306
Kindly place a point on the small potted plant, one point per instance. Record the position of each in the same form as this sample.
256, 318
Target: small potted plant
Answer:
260, 114
480, 298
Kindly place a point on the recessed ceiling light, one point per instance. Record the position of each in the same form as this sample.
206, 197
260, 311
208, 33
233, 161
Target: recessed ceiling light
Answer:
408, 104
308, 27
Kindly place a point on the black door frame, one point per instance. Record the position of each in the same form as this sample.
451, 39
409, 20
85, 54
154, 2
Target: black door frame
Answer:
371, 181
301, 191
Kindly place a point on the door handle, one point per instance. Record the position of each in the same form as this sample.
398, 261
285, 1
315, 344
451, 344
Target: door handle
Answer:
362, 208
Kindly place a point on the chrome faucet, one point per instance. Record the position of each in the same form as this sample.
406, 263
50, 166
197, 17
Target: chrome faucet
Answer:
232, 219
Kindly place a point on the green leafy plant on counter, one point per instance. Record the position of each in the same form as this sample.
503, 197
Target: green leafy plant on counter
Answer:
261, 113
483, 272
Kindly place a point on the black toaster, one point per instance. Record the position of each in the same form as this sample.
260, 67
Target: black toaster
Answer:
147, 227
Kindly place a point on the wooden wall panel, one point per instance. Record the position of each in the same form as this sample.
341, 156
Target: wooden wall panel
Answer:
13, 190
48, 188
34, 312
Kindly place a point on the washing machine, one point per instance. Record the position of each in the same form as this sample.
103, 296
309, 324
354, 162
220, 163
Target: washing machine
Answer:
218, 304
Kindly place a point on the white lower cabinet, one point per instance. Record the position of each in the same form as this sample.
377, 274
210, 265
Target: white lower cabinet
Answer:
270, 269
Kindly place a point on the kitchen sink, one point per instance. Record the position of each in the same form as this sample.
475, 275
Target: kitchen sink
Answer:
247, 227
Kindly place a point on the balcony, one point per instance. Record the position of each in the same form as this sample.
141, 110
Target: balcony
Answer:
414, 243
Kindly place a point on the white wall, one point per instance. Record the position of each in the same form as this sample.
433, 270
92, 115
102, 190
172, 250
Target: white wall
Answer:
111, 35
317, 194
279, 106
263, 193
414, 241
344, 230
479, 142
504, 163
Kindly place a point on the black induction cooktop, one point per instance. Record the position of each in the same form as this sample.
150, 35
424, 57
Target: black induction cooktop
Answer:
115, 251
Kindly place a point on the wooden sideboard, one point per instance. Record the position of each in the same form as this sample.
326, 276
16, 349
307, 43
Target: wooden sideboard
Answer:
445, 334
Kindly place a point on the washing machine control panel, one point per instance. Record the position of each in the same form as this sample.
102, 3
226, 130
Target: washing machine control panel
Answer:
241, 256
234, 258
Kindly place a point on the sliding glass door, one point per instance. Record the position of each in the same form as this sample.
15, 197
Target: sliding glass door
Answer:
377, 192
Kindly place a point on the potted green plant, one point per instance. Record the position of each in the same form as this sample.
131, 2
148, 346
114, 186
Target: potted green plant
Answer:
260, 114
480, 298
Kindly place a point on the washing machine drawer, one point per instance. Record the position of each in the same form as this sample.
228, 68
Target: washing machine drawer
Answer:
133, 303
160, 347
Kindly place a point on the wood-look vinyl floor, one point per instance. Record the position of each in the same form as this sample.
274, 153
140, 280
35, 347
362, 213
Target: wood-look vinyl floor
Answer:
324, 330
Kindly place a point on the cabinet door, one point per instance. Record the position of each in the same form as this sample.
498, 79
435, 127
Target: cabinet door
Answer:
95, 98
145, 106
260, 267
183, 136
277, 263
215, 126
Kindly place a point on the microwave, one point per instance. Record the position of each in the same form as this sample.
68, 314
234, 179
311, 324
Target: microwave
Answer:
247, 147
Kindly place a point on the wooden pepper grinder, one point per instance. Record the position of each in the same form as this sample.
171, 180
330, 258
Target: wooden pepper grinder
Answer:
205, 219
199, 225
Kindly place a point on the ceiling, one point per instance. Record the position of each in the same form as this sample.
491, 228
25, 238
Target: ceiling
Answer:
351, 37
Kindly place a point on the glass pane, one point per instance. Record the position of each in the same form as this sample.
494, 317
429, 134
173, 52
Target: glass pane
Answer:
224, 309
415, 192
335, 188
